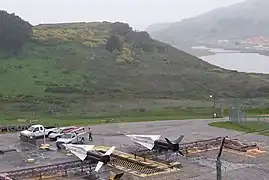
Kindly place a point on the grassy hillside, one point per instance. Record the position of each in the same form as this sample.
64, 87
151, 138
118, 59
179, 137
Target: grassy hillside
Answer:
72, 58
68, 69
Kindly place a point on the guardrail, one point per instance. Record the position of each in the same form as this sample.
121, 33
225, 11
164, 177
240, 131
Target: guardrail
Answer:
48, 170
208, 144
4, 177
263, 117
16, 128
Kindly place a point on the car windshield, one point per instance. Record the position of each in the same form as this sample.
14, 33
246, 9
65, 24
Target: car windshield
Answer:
31, 128
60, 131
57, 131
67, 136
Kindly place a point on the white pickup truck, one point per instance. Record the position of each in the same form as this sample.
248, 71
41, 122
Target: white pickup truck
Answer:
38, 131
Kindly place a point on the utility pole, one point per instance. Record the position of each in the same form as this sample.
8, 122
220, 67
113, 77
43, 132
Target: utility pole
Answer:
221, 111
214, 104
44, 140
214, 97
218, 163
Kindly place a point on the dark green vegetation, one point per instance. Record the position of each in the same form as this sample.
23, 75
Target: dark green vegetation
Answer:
14, 32
249, 127
245, 19
254, 112
78, 70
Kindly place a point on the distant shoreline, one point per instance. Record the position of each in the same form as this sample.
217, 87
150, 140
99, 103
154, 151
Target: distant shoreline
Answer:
206, 52
196, 52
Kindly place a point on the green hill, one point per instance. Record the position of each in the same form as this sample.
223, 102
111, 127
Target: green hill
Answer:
78, 68
73, 59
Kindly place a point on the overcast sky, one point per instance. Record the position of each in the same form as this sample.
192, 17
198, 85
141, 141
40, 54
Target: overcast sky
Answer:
138, 13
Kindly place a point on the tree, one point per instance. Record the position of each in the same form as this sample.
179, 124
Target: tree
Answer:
14, 32
120, 29
113, 43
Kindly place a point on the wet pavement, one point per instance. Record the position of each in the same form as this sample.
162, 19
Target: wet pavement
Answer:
202, 167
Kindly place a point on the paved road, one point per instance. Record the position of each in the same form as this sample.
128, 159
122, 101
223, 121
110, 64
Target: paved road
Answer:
203, 168
234, 167
191, 129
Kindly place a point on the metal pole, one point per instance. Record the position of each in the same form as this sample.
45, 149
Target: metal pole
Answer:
218, 163
214, 102
44, 138
221, 111
218, 167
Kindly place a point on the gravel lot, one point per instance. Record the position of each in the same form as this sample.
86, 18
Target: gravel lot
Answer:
201, 167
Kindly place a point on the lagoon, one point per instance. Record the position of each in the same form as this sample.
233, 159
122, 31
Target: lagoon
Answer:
236, 60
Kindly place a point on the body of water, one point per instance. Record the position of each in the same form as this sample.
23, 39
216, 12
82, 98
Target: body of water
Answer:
235, 60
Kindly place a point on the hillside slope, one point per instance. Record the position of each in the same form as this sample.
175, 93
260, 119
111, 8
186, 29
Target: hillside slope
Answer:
73, 58
158, 27
67, 65
245, 19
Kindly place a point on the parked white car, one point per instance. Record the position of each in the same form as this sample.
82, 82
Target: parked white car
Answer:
38, 131
70, 138
57, 134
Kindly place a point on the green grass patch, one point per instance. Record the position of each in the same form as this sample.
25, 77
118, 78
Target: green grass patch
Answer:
254, 112
126, 116
249, 127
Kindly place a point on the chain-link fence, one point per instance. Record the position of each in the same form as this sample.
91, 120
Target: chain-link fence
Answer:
237, 114
263, 118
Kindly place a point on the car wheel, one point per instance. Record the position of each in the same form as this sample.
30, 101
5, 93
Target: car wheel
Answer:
49, 133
